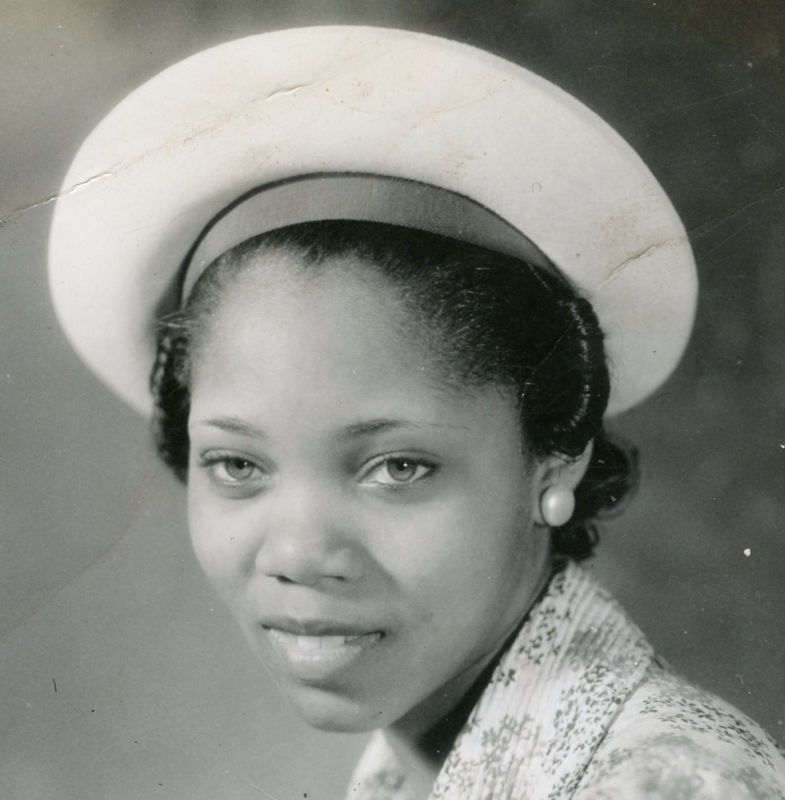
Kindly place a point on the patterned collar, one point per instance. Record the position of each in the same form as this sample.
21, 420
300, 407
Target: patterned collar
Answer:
547, 706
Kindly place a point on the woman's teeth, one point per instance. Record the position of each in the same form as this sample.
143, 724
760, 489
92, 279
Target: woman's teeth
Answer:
319, 658
312, 644
324, 642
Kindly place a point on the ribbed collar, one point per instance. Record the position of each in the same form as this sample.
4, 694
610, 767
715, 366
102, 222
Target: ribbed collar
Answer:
547, 706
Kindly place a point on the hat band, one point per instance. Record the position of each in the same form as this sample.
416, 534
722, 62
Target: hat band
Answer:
356, 196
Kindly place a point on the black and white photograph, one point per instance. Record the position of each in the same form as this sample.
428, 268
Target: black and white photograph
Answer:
393, 400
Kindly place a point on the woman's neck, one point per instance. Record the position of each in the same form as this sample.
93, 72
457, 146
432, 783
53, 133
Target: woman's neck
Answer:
421, 754
423, 738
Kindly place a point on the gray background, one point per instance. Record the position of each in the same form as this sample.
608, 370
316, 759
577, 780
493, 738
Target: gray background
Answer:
120, 674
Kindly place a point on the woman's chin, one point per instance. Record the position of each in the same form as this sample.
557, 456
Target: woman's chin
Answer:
329, 711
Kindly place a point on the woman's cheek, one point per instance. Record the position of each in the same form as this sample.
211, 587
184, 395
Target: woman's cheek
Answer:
220, 549
470, 558
429, 545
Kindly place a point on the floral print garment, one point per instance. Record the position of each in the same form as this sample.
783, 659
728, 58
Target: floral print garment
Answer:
580, 708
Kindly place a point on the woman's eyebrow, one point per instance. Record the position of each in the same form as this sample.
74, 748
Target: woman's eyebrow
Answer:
353, 431
231, 425
372, 426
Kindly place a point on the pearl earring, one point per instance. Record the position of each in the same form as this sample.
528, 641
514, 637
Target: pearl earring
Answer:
556, 505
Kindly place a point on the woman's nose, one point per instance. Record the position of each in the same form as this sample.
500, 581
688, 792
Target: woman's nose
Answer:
306, 540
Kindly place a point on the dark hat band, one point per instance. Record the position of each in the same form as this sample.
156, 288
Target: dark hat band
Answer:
356, 196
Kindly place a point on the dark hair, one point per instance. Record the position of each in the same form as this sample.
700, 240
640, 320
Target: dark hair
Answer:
490, 318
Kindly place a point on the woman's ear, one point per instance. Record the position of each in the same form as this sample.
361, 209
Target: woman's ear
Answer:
562, 474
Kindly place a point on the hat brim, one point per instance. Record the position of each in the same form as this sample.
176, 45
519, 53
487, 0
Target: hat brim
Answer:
270, 107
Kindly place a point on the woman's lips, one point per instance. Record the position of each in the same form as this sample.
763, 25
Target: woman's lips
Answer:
316, 626
316, 657
313, 643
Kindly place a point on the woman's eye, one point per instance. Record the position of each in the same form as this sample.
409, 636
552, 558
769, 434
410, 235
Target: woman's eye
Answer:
397, 471
238, 469
232, 470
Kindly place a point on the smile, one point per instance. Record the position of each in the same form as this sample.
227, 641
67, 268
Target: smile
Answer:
316, 657
309, 644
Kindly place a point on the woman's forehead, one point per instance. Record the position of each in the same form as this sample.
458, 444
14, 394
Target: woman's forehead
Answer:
338, 344
283, 292
339, 322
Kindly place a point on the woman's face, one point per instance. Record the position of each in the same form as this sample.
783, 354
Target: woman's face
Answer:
369, 526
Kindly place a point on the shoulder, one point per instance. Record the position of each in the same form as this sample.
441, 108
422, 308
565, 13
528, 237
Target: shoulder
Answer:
672, 740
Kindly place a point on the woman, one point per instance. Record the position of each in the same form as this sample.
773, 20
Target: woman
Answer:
382, 369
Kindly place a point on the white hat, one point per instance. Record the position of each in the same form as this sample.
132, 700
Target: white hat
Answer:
487, 151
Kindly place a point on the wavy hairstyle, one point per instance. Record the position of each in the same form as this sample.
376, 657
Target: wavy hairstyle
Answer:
488, 317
